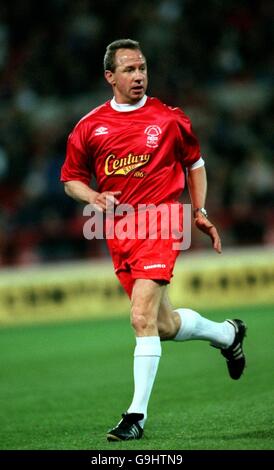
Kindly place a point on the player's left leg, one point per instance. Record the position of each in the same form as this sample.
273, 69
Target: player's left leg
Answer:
184, 324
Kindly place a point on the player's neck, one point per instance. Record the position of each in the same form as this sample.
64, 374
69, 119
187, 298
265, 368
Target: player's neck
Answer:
125, 107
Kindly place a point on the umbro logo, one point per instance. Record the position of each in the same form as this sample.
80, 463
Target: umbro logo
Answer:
151, 266
101, 131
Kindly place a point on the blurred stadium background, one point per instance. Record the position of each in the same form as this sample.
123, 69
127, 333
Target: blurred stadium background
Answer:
215, 60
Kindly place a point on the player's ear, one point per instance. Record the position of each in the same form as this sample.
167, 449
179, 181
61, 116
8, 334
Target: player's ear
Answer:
109, 76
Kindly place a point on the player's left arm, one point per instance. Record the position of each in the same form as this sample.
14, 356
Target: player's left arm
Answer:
197, 186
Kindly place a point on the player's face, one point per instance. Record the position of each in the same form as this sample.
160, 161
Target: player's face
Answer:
129, 80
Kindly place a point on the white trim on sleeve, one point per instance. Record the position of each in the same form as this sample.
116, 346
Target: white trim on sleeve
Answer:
197, 164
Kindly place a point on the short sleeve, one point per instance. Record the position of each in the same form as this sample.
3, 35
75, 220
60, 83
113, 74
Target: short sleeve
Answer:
189, 148
76, 165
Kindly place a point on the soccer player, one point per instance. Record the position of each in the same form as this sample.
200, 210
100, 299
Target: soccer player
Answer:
138, 148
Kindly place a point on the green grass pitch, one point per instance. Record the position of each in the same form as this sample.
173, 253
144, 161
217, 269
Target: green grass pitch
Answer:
62, 386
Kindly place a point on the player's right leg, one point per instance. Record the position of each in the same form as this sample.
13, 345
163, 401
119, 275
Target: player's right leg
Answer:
145, 300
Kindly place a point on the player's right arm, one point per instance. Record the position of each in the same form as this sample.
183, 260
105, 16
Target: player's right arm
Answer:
76, 172
83, 193
80, 191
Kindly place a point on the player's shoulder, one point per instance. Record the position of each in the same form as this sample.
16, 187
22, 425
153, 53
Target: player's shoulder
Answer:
85, 125
174, 112
92, 115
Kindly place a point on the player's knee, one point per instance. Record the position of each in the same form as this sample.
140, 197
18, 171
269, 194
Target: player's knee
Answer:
141, 321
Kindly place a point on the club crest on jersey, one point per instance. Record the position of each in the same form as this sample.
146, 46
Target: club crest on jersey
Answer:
124, 165
153, 132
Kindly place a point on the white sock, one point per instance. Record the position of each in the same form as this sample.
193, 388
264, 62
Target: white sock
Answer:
146, 359
194, 326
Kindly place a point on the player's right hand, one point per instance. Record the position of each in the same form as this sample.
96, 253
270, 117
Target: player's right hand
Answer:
106, 200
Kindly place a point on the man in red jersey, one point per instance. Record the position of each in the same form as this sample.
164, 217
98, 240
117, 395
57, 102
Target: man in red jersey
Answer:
137, 148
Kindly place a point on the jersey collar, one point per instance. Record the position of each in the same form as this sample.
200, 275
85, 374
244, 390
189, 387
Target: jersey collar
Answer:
124, 107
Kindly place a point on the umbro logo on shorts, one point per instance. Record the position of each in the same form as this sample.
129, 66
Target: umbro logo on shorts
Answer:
152, 266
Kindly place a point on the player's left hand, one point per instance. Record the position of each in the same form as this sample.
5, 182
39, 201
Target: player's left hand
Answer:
203, 224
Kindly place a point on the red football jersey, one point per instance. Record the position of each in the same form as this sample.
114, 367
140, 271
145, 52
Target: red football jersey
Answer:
140, 152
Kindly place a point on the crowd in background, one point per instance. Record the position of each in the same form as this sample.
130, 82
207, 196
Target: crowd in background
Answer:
214, 59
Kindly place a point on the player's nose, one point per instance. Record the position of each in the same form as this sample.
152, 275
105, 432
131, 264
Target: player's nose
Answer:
138, 76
